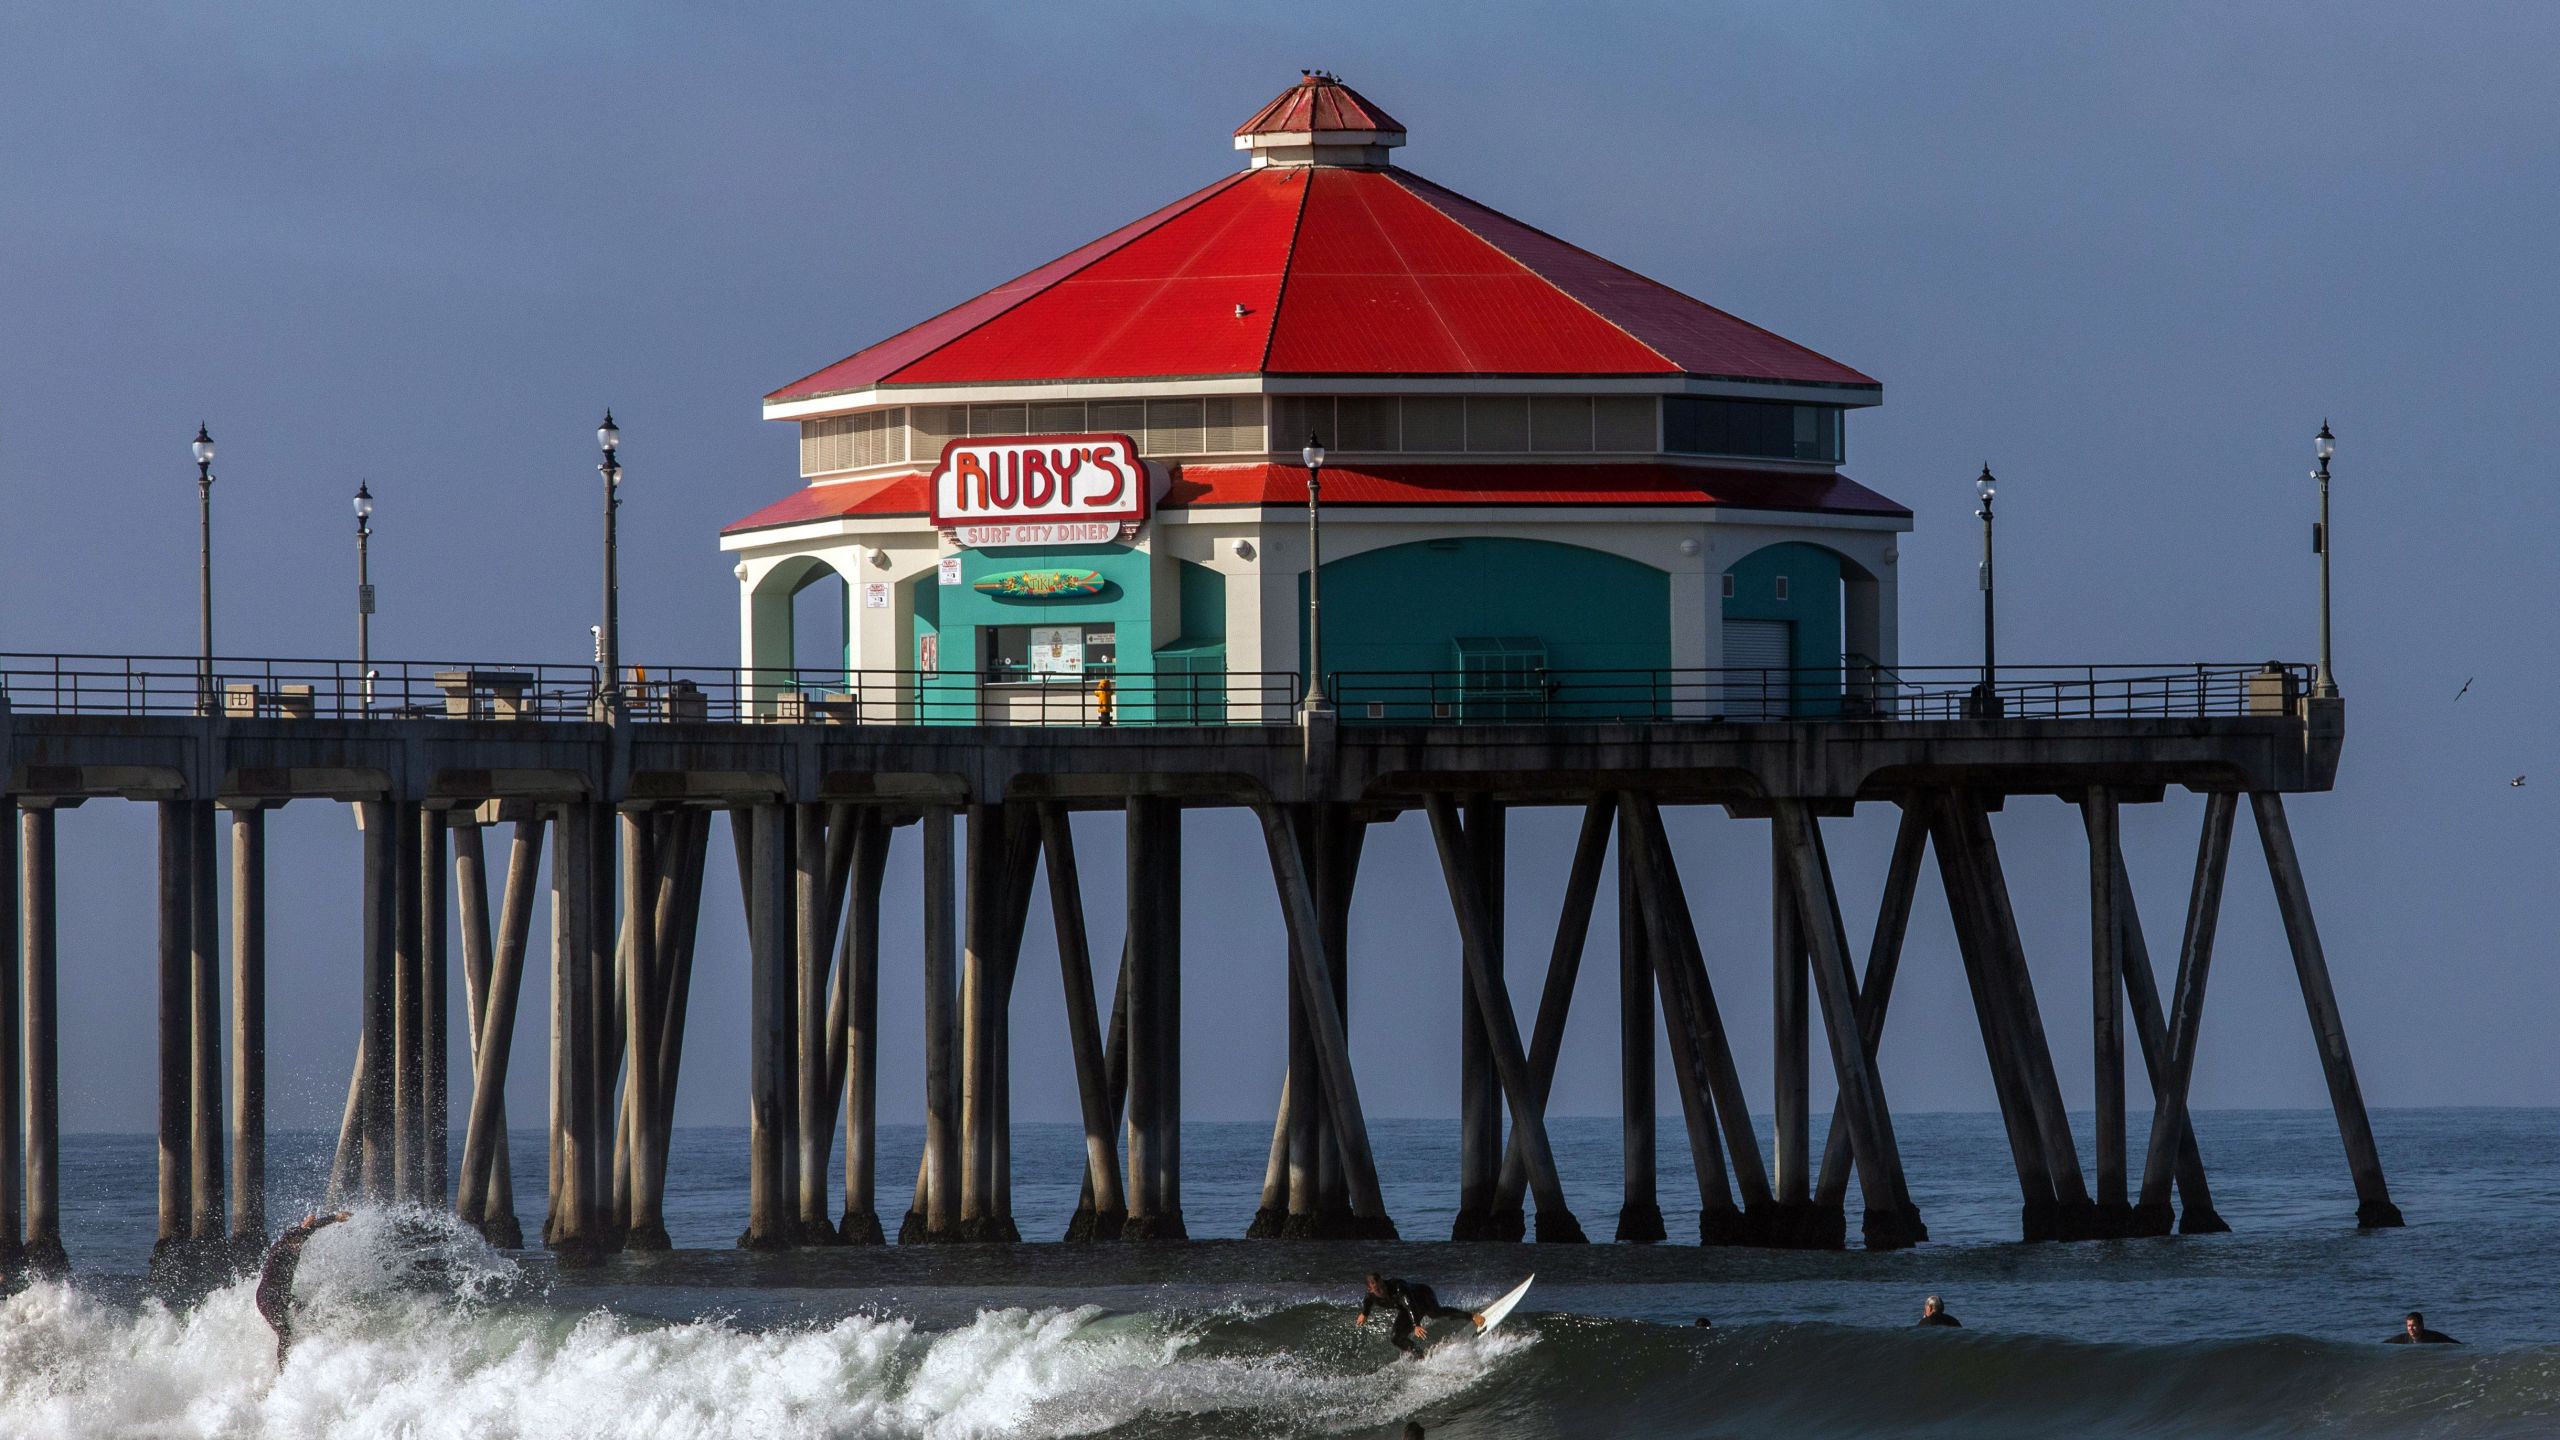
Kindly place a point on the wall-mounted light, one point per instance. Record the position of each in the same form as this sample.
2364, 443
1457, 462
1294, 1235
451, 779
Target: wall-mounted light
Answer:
1244, 549
741, 571
1688, 547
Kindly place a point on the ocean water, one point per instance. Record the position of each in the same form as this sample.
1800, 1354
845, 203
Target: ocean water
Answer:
413, 1329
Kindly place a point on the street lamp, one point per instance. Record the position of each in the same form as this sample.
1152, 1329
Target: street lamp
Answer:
203, 449
2324, 445
608, 642
364, 592
1313, 454
1986, 696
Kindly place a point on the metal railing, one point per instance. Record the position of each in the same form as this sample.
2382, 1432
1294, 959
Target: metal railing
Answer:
243, 688
338, 689
1095, 699
1854, 691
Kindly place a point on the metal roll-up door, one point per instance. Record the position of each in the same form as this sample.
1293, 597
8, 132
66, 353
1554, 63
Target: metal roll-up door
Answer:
1758, 656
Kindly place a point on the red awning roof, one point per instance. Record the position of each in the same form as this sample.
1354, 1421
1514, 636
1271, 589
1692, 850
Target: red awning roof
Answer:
1338, 271
1596, 483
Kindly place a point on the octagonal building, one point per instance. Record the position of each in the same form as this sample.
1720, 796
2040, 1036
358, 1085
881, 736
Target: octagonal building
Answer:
1551, 486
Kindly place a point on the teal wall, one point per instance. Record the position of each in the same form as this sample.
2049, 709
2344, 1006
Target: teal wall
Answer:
1403, 608
1812, 606
955, 614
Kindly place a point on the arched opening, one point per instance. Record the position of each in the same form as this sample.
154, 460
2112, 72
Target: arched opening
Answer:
801, 631
1802, 634
1482, 627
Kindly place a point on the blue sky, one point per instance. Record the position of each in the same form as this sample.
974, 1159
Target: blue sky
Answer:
2130, 256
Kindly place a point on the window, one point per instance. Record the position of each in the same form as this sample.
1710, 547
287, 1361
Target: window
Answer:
1728, 587
1694, 425
1560, 423
1498, 422
1054, 417
1299, 416
1235, 425
1434, 424
1623, 423
1365, 422
1046, 654
1173, 427
998, 420
1782, 589
933, 426
1119, 417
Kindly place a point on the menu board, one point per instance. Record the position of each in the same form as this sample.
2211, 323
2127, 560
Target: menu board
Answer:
1057, 649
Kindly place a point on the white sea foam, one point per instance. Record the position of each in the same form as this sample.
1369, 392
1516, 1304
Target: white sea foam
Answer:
378, 1353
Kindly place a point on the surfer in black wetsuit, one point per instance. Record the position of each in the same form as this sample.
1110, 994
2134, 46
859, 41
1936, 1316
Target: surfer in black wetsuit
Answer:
1413, 1303
1933, 1312
2414, 1331
275, 1277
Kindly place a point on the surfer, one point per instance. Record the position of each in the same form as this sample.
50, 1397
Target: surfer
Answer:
1413, 1303
2414, 1331
275, 1276
1933, 1312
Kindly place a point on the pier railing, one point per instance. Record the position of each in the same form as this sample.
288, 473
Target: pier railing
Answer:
340, 689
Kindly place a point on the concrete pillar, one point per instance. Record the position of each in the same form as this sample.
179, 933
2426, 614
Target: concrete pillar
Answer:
1479, 1090
576, 1222
40, 922
373, 1070
1640, 1214
860, 963
205, 1223
812, 946
1339, 839
1155, 1019
1788, 999
941, 1162
248, 1031
12, 1052
177, 1002
2106, 1008
409, 1024
641, 1018
764, 832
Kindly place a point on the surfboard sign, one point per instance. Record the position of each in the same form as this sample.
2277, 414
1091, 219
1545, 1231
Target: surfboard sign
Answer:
1043, 584
1494, 1313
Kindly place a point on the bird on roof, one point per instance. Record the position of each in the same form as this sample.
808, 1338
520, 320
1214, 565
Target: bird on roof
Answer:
2465, 690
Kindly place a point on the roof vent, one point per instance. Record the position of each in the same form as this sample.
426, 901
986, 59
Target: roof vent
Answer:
1320, 121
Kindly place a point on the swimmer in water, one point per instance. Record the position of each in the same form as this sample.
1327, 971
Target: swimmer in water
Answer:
1933, 1312
1413, 1303
2414, 1331
275, 1276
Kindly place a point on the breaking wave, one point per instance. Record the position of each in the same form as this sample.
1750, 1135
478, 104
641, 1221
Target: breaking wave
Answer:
409, 1327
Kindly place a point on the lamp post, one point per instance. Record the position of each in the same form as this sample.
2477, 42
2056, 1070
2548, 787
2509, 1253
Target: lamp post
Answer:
203, 449
1313, 454
364, 593
1986, 697
608, 642
2324, 445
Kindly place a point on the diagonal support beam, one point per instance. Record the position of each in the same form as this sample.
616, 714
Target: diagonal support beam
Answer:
1892, 1221
1564, 966
2172, 1055
1315, 986
1084, 1031
2374, 1209
1711, 1087
1493, 1007
1875, 993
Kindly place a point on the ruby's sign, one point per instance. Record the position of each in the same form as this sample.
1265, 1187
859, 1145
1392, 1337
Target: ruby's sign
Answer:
1039, 489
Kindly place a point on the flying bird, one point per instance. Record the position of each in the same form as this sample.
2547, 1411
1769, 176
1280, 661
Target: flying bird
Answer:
2465, 690
2517, 783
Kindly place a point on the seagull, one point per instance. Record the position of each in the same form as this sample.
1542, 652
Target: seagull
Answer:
2517, 783
2466, 688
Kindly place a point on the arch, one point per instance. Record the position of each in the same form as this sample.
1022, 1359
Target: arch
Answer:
1394, 618
1830, 607
774, 630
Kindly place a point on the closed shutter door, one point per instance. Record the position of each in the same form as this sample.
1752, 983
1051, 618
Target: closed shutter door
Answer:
1763, 646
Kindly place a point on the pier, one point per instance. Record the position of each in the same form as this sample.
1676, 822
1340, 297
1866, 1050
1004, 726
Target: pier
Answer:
814, 778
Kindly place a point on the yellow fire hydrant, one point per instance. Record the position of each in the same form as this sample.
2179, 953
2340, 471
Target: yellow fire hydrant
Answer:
1102, 700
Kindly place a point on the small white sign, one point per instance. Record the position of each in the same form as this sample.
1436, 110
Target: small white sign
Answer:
875, 595
1067, 532
951, 570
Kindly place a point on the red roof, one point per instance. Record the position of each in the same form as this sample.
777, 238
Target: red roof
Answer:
1319, 102
1337, 271
1592, 483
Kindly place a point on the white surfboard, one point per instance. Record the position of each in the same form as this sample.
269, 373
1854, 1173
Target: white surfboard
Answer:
1493, 1314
